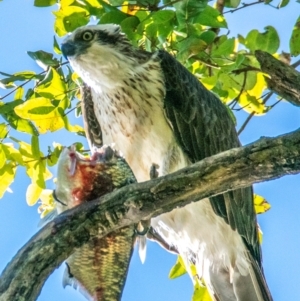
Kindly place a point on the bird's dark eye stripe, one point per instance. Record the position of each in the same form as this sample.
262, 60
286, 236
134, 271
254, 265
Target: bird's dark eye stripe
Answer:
104, 36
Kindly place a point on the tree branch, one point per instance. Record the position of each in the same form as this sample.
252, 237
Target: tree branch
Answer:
284, 80
266, 159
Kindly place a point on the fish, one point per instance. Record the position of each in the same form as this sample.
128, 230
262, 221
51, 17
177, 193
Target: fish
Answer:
99, 268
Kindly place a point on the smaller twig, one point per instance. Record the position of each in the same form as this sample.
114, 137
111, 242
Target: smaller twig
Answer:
252, 114
246, 69
276, 103
220, 6
71, 110
27, 81
244, 5
245, 123
296, 64
241, 90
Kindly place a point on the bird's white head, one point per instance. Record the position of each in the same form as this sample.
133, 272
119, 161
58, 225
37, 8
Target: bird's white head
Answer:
101, 52
83, 38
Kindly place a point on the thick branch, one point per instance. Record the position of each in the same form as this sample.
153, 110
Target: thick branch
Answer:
266, 159
284, 80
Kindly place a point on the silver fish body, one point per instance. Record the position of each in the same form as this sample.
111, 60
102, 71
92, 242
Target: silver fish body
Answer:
99, 268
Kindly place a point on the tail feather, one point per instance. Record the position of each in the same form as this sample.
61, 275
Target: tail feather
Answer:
250, 287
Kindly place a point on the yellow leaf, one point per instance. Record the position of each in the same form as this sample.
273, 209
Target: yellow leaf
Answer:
200, 293
2, 157
69, 18
178, 269
7, 175
47, 197
209, 82
259, 87
42, 112
25, 150
251, 104
19, 93
260, 204
52, 86
250, 100
47, 202
12, 153
3, 130
75, 77
33, 193
38, 172
260, 234
73, 128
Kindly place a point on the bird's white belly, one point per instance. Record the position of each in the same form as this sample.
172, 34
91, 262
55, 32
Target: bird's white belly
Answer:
198, 229
140, 131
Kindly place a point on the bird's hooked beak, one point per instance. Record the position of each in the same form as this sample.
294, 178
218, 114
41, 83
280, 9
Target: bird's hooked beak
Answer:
68, 49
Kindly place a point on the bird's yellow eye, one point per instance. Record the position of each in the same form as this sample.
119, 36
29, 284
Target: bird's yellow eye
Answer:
87, 35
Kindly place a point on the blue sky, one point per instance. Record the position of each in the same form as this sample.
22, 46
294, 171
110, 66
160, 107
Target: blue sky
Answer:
31, 28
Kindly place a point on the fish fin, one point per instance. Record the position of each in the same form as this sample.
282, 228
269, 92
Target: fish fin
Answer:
70, 280
142, 241
141, 230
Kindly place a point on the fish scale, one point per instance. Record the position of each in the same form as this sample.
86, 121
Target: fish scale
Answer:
99, 268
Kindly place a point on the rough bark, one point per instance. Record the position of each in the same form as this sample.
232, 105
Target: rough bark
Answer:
266, 159
283, 79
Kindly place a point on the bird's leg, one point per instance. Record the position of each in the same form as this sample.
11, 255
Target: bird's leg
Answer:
154, 236
154, 171
142, 228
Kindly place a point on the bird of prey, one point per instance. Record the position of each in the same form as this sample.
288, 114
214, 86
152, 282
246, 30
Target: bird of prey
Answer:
159, 114
98, 268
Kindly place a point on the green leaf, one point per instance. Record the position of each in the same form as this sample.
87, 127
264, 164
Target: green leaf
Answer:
115, 17
56, 47
232, 3
178, 269
69, 18
208, 36
211, 17
283, 3
44, 3
295, 39
267, 41
7, 175
224, 49
116, 2
43, 59
129, 26
188, 10
163, 16
8, 82
35, 146
54, 155
20, 124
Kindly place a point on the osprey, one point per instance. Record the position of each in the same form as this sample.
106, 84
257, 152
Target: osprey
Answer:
159, 114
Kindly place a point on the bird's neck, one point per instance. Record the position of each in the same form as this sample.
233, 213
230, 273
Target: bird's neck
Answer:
129, 107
